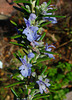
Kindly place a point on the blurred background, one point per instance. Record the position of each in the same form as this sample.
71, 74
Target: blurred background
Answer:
60, 34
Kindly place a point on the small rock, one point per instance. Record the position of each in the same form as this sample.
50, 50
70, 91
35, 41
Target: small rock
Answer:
8, 97
69, 96
1, 65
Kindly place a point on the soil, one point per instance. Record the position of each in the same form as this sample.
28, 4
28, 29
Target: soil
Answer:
5, 8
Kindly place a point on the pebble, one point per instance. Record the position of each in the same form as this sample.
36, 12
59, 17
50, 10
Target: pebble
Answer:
69, 96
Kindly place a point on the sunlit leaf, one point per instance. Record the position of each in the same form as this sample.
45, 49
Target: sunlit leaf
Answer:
21, 1
43, 59
14, 84
13, 22
17, 44
43, 51
37, 98
42, 36
23, 8
46, 23
53, 16
14, 92
45, 67
48, 3
15, 36
49, 11
37, 2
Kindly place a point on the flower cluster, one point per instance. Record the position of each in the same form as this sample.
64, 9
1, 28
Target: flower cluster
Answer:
36, 49
31, 31
43, 83
47, 48
44, 11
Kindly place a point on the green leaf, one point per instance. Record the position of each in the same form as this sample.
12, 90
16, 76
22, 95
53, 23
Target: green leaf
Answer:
37, 98
15, 36
19, 53
39, 17
42, 36
13, 22
48, 3
51, 10
25, 50
13, 84
37, 95
15, 75
17, 44
37, 2
15, 54
45, 23
21, 1
25, 9
53, 16
20, 30
45, 67
70, 40
32, 91
43, 51
14, 92
42, 59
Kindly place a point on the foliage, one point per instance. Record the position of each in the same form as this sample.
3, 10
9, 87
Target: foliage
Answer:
35, 79
60, 78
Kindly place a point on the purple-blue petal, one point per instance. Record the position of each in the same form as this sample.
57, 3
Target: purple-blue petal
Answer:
25, 69
42, 85
40, 88
51, 56
31, 33
45, 3
32, 17
31, 55
27, 22
47, 48
52, 19
29, 71
23, 60
29, 65
21, 67
24, 73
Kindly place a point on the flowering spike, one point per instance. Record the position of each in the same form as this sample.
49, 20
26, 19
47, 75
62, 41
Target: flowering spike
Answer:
47, 48
42, 84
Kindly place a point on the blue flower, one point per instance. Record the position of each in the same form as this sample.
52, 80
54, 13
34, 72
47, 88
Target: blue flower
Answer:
31, 55
31, 31
32, 17
43, 84
27, 22
52, 19
47, 48
25, 69
44, 9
